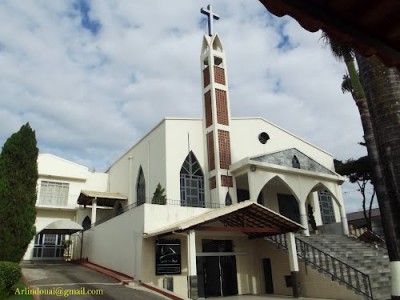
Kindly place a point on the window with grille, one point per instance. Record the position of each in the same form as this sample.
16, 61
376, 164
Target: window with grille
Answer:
54, 193
326, 207
192, 182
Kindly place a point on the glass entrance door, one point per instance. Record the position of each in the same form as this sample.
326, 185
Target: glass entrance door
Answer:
49, 246
216, 271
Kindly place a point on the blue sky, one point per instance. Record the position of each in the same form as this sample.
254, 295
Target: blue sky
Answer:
92, 77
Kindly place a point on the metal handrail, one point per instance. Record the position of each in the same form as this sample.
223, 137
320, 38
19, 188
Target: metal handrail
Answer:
153, 201
337, 269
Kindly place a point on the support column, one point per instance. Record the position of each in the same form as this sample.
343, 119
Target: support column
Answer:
94, 210
250, 178
343, 218
294, 264
130, 183
192, 268
304, 219
395, 273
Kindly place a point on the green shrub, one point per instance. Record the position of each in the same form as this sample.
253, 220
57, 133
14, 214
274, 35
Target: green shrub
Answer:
10, 272
158, 196
3, 290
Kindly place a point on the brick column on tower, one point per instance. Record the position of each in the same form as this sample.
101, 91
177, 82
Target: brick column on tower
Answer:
216, 120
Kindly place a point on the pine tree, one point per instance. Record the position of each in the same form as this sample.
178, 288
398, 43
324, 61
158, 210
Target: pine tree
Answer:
18, 178
158, 196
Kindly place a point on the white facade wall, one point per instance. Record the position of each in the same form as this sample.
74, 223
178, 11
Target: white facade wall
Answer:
149, 153
56, 169
245, 143
183, 136
117, 244
54, 166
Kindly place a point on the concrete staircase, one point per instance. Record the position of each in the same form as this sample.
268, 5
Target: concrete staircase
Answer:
364, 257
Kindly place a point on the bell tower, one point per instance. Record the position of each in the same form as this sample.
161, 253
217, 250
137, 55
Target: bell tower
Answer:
216, 117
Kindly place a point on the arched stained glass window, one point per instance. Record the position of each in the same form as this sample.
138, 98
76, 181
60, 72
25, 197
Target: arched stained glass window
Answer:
192, 182
326, 207
141, 188
295, 162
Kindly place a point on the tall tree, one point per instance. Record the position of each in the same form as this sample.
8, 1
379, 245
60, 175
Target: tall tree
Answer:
380, 117
18, 178
351, 83
359, 171
382, 87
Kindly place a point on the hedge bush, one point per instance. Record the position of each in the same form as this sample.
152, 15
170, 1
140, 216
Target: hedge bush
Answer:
10, 272
3, 290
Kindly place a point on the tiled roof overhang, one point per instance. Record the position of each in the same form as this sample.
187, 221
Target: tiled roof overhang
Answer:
255, 220
369, 26
102, 198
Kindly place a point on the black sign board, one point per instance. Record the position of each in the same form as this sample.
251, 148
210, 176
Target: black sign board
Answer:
168, 257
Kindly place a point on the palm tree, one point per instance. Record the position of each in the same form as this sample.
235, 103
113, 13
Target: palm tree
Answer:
351, 83
382, 86
380, 117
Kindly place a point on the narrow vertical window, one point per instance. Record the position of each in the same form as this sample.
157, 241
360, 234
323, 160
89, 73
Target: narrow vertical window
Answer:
228, 199
86, 223
140, 188
295, 162
192, 182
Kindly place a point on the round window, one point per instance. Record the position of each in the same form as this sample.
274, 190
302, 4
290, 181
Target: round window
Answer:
263, 137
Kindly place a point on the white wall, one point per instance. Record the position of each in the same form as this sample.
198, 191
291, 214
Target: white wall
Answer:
183, 136
245, 143
159, 216
96, 182
149, 153
56, 169
54, 166
117, 243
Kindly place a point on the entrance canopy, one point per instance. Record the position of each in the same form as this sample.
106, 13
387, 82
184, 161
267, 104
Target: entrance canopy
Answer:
103, 198
247, 217
62, 227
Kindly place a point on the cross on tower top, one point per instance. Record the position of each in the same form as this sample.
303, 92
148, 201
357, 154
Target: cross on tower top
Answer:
210, 16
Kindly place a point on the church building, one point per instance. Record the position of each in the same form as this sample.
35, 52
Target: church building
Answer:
192, 205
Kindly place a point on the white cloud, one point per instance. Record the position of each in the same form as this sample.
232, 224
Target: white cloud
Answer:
91, 96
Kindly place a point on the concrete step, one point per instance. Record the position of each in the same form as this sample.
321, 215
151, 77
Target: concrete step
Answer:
364, 257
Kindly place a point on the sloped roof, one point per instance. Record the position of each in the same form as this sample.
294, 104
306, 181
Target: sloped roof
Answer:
103, 198
359, 215
248, 217
370, 26
284, 158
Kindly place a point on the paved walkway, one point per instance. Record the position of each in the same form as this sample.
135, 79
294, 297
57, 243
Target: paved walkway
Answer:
69, 278
55, 281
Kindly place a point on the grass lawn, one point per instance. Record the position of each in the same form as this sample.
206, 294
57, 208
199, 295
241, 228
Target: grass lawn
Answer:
21, 286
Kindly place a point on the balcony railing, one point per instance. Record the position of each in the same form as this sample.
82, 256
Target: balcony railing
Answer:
153, 201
